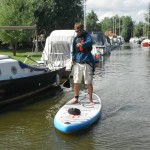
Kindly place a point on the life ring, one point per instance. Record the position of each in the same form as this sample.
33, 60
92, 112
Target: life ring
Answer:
57, 79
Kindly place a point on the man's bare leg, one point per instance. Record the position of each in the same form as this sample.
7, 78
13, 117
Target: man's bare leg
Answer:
90, 91
76, 92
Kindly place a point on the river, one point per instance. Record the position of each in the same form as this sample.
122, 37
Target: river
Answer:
122, 81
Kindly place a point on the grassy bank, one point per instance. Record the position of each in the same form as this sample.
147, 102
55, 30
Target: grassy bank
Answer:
22, 54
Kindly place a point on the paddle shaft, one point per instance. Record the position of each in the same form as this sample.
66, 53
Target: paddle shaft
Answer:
67, 82
70, 72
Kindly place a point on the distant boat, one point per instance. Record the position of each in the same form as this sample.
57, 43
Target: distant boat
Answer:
101, 46
145, 43
135, 40
19, 80
120, 40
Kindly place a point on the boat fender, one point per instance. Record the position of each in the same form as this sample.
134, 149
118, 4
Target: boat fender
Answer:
74, 111
57, 79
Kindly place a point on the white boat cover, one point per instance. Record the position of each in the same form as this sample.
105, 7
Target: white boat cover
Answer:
58, 48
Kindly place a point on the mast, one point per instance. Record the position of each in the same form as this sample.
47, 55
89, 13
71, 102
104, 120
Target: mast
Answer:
84, 14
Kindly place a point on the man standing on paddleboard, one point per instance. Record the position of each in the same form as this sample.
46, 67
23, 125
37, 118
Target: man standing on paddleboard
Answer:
83, 61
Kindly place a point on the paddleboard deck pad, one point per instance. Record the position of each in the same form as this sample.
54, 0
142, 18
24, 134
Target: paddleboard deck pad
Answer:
68, 123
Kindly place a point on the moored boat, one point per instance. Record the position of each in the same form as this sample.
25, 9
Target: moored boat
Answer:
19, 80
145, 43
101, 46
58, 49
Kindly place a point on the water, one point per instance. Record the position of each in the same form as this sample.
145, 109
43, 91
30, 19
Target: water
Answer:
123, 83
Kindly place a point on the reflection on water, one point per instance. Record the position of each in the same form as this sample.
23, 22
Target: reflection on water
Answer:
122, 81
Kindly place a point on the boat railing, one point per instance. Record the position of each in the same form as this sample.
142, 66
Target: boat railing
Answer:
55, 60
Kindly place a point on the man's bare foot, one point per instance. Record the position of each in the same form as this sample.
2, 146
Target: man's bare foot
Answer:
74, 101
92, 103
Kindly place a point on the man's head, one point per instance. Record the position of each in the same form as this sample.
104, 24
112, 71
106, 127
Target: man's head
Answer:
78, 27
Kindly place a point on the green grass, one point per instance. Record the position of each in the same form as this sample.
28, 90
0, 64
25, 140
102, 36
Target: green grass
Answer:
22, 54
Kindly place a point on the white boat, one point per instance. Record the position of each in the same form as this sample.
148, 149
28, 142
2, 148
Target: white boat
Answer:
135, 40
19, 80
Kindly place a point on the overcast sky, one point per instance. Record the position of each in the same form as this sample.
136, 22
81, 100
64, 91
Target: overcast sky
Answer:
108, 8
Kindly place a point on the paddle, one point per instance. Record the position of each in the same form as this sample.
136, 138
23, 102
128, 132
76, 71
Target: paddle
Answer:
67, 82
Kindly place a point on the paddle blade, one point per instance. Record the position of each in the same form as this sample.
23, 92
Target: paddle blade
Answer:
67, 83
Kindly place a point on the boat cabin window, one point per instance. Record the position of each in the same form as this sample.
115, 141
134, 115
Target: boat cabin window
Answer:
13, 69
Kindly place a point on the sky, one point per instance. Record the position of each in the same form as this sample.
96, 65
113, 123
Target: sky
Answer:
108, 8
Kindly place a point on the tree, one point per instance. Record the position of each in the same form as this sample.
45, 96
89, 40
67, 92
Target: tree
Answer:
92, 20
15, 13
56, 14
138, 30
112, 24
47, 15
127, 28
107, 24
147, 19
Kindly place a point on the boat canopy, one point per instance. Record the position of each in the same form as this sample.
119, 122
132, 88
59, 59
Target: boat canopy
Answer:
58, 48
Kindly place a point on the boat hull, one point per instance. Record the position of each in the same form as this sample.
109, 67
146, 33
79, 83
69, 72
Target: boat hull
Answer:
145, 43
12, 90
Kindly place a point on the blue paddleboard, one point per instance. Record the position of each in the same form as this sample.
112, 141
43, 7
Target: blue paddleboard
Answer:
68, 123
